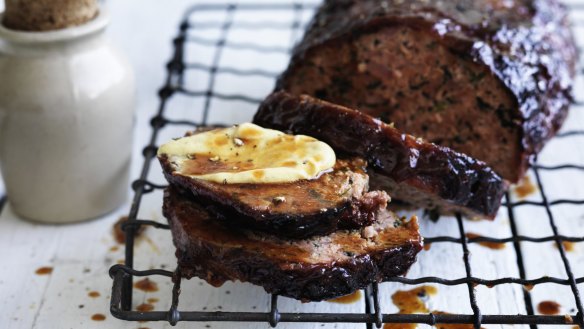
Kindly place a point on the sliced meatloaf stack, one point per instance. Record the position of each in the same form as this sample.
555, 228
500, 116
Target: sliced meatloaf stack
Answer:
310, 269
311, 239
410, 169
487, 78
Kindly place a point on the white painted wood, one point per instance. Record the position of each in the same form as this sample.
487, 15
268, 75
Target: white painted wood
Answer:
81, 256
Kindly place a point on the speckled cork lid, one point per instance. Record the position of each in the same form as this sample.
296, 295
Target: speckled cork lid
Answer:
45, 15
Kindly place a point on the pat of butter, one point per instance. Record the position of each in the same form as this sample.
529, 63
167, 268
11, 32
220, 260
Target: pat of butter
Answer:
248, 153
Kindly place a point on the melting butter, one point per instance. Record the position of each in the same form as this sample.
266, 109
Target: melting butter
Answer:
248, 153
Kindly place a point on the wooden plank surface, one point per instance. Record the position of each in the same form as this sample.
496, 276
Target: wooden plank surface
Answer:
81, 254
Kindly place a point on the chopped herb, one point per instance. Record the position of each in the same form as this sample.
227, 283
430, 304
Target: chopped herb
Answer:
439, 106
483, 106
474, 78
373, 85
313, 193
418, 86
458, 139
399, 222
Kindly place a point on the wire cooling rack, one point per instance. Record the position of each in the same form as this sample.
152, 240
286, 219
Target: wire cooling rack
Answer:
123, 275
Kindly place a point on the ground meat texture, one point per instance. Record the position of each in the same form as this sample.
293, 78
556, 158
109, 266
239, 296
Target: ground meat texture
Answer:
490, 79
312, 269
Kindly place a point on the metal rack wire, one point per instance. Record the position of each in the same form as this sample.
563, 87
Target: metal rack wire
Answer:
122, 275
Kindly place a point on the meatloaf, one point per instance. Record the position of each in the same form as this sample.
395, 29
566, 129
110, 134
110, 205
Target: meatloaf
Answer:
336, 200
310, 270
410, 169
488, 78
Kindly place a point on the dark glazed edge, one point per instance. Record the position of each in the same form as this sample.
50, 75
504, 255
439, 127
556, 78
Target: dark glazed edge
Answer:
456, 178
347, 215
306, 282
545, 34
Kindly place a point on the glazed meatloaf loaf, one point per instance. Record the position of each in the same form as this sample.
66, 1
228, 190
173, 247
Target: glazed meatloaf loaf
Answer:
313, 269
410, 169
336, 200
488, 78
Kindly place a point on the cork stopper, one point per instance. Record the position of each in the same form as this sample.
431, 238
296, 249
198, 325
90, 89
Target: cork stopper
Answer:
45, 15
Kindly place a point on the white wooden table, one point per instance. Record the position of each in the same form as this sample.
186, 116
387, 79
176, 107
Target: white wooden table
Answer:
81, 254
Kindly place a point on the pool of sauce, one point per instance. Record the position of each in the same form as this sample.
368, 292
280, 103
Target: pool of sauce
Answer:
98, 317
525, 188
144, 307
146, 285
45, 270
93, 294
348, 299
486, 244
549, 307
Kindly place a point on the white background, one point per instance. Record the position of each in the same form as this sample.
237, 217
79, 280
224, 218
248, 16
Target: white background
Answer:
81, 256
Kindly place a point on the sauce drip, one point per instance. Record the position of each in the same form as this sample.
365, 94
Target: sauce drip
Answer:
525, 188
98, 317
152, 300
427, 246
144, 307
120, 235
45, 270
413, 301
568, 245
528, 287
348, 299
146, 285
410, 301
548, 307
93, 294
486, 244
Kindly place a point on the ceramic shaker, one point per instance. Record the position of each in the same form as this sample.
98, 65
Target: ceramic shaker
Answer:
66, 119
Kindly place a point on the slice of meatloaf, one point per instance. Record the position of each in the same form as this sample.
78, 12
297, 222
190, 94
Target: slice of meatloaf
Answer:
310, 270
487, 78
335, 200
410, 169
